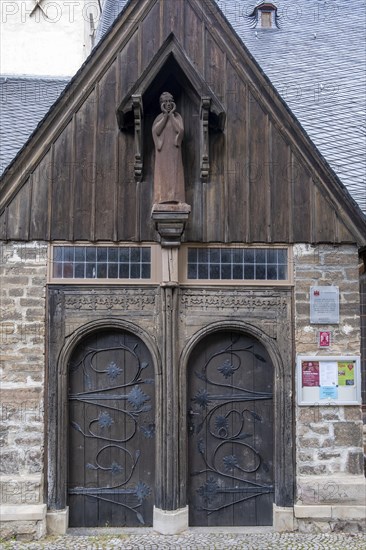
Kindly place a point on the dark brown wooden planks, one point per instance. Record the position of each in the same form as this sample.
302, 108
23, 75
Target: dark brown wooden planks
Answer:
83, 200
237, 149
62, 173
173, 17
258, 172
150, 35
106, 158
302, 203
41, 188
193, 37
19, 213
280, 188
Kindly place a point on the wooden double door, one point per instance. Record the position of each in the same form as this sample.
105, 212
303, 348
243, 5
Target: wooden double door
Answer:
112, 432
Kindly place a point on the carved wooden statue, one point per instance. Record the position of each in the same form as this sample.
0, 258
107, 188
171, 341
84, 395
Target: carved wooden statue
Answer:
168, 133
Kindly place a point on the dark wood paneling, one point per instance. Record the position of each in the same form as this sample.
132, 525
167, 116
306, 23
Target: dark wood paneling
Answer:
145, 188
150, 35
237, 152
214, 200
324, 225
173, 16
127, 205
214, 214
279, 172
259, 188
3, 225
258, 172
19, 213
193, 185
128, 67
193, 37
302, 205
106, 158
41, 181
344, 235
215, 65
84, 170
62, 174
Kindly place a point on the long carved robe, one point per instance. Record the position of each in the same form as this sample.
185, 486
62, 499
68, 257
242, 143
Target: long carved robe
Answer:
168, 174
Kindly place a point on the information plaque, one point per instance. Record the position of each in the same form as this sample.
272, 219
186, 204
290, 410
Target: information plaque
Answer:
328, 380
324, 305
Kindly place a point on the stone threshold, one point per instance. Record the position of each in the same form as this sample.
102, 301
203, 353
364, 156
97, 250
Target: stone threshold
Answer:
110, 531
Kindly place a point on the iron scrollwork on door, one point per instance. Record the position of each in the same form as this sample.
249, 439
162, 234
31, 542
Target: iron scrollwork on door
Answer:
223, 429
114, 415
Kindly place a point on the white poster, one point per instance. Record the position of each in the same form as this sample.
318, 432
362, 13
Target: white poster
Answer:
328, 373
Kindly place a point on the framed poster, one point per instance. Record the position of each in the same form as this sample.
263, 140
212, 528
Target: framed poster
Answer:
328, 380
324, 305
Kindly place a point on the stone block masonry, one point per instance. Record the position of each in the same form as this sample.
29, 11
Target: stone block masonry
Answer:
329, 453
23, 273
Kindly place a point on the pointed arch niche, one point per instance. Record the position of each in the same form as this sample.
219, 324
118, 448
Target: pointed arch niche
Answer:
170, 70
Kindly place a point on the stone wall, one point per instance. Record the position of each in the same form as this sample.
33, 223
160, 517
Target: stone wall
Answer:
329, 454
23, 272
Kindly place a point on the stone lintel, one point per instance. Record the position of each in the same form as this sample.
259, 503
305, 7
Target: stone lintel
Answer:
57, 521
170, 522
170, 221
23, 512
283, 519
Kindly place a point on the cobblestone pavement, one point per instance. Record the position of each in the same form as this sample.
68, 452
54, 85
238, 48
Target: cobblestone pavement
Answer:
196, 540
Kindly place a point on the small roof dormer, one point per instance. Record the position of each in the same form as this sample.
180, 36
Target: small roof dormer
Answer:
264, 16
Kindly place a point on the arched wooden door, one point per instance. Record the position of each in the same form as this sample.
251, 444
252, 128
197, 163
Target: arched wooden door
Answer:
112, 431
230, 432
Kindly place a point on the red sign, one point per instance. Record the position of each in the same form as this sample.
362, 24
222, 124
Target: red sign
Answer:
310, 373
324, 338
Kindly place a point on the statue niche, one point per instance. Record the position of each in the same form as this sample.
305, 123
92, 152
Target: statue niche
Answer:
168, 131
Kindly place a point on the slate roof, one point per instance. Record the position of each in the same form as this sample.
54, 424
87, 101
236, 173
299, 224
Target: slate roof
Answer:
24, 101
316, 59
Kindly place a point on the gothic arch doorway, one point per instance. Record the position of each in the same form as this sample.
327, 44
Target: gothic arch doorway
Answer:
230, 431
111, 431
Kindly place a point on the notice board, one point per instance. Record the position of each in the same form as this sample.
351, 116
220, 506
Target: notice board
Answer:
328, 380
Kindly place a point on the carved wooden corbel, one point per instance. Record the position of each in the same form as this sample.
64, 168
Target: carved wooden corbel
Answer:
138, 114
204, 120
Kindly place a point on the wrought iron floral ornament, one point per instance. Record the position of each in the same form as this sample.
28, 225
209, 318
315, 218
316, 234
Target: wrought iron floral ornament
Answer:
223, 419
119, 411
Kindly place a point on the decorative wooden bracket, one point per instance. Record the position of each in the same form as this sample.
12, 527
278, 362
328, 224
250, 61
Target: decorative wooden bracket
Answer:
205, 149
138, 114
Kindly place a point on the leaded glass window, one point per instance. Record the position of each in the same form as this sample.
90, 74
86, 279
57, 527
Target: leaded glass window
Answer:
258, 264
101, 262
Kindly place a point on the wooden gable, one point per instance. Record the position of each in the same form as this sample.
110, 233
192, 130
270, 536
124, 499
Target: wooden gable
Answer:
74, 180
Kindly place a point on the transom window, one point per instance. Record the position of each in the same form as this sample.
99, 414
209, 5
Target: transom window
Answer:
254, 264
101, 262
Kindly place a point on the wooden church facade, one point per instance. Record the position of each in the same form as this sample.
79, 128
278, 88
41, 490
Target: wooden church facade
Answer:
154, 346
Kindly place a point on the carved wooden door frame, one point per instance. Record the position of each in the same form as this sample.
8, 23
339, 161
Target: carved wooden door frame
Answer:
60, 349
